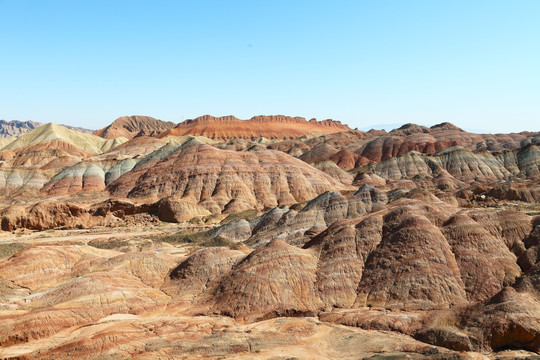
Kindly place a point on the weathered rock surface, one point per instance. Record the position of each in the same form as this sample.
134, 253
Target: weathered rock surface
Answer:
255, 289
173, 209
335, 171
343, 250
414, 249
508, 320
299, 226
411, 137
45, 215
486, 264
166, 336
193, 276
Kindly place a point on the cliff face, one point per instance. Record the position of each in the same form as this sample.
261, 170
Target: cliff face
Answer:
270, 127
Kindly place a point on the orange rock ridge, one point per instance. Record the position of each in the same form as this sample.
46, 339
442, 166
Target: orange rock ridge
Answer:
270, 127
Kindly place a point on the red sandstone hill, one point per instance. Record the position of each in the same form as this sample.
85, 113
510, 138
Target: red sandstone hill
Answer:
130, 126
270, 127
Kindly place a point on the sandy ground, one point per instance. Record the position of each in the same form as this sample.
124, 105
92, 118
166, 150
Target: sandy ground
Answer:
86, 235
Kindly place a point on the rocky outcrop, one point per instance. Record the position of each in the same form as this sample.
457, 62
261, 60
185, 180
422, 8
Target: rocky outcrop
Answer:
45, 215
343, 250
236, 231
335, 171
347, 160
319, 153
90, 297
47, 156
43, 267
442, 156
415, 255
220, 337
508, 320
173, 209
529, 193
83, 285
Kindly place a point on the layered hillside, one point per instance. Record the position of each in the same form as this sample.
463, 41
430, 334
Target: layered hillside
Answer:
28, 162
131, 126
51, 133
270, 127
59, 161
443, 154
224, 180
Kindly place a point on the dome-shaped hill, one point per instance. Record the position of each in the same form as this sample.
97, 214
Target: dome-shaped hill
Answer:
131, 126
224, 180
56, 133
445, 126
408, 129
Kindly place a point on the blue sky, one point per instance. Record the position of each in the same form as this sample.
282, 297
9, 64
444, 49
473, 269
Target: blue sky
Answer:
473, 63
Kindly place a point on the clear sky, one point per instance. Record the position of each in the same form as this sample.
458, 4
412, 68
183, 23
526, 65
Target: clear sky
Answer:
474, 63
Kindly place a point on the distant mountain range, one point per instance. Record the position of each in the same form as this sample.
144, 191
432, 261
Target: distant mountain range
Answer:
15, 128
274, 127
